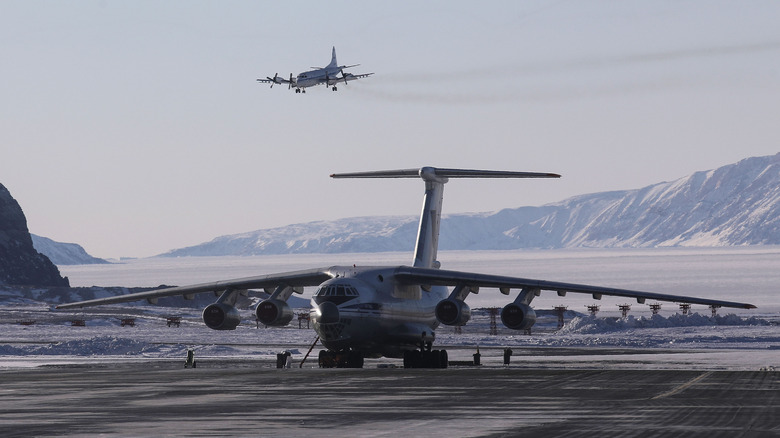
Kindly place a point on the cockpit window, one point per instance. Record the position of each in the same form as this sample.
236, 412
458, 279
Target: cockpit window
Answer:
337, 290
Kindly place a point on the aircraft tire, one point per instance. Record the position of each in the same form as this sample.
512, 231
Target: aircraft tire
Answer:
432, 359
323, 359
355, 359
413, 359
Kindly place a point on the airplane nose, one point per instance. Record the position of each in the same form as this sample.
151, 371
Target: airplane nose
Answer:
327, 313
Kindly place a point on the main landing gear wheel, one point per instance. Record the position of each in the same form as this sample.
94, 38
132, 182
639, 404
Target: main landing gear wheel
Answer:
340, 359
334, 88
426, 359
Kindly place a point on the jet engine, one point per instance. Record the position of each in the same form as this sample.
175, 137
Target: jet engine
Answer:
453, 312
221, 316
274, 312
518, 316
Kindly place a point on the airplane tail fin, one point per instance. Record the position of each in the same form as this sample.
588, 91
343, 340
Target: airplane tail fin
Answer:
333, 62
427, 245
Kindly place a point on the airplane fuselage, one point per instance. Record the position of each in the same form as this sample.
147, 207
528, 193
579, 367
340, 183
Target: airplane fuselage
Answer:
365, 309
327, 76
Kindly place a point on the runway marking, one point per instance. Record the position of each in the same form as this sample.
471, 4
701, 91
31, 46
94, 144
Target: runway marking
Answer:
682, 387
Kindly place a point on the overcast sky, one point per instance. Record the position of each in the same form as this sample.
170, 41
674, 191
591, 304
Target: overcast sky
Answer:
133, 128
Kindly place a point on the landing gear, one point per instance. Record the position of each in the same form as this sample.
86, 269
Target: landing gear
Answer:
340, 359
425, 357
334, 88
300, 90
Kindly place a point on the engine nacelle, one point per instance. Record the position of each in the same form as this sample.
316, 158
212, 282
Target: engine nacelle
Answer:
221, 316
518, 316
274, 313
453, 312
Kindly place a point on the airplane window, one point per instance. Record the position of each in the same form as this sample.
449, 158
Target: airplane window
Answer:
337, 291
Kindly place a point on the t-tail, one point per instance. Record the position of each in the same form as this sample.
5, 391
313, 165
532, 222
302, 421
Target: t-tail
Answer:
427, 246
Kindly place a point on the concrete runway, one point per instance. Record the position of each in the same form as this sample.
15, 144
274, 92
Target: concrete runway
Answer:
242, 397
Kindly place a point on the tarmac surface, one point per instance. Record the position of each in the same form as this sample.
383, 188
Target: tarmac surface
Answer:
244, 397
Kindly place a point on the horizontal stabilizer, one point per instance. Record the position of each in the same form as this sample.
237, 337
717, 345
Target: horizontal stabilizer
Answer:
444, 173
435, 178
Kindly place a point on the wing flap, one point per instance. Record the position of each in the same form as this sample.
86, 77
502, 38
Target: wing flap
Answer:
412, 275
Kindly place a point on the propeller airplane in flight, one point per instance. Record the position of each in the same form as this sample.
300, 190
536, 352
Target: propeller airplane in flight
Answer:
330, 76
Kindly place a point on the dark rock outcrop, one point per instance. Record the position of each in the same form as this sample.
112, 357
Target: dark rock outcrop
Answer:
20, 263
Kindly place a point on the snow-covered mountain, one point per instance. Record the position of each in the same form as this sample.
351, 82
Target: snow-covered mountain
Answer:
738, 204
63, 253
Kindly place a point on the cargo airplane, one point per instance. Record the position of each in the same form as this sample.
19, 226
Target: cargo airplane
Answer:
328, 76
391, 311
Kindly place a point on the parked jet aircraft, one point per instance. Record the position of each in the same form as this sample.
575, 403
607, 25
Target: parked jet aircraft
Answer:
328, 76
393, 311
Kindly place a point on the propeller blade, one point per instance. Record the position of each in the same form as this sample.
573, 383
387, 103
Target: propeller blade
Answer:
289, 85
344, 76
273, 81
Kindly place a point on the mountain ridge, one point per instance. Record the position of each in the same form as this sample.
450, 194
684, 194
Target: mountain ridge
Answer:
64, 253
737, 204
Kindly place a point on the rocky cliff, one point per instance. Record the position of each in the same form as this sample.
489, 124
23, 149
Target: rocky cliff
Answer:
20, 263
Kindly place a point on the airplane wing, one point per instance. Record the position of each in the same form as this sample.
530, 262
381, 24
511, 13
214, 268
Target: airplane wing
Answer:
350, 76
428, 276
311, 277
277, 80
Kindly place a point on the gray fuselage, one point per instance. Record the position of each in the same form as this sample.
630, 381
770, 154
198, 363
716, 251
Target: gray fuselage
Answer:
375, 314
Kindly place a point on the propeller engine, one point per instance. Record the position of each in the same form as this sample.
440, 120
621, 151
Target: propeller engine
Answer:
275, 313
274, 79
518, 316
221, 316
453, 312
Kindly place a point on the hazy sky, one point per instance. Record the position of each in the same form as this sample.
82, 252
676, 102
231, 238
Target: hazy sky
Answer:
133, 128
